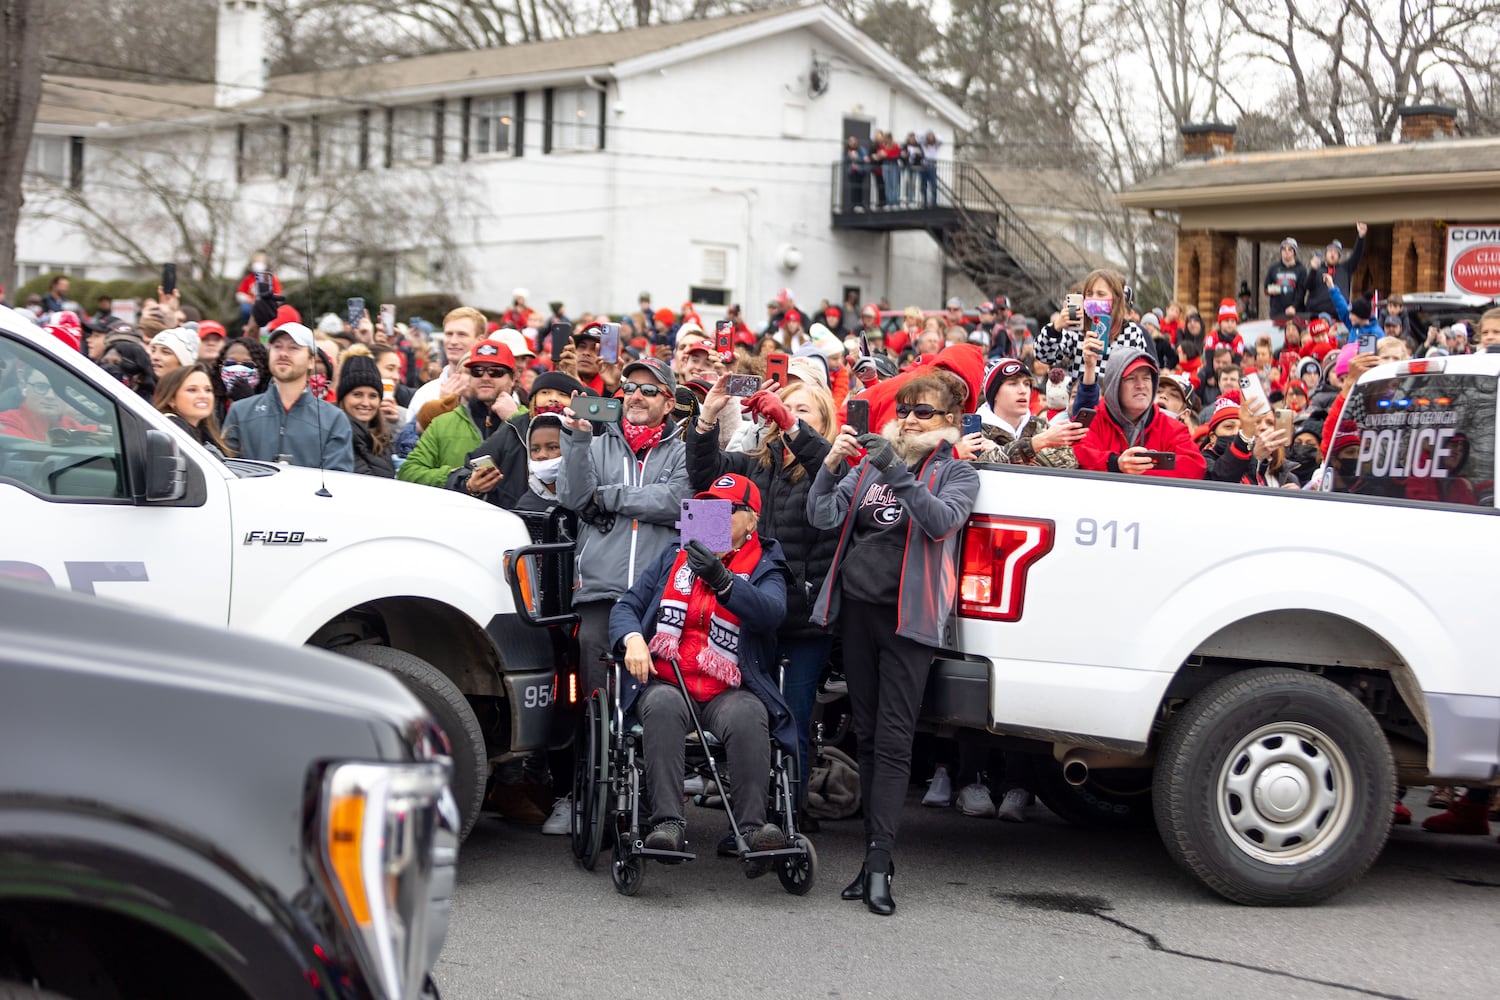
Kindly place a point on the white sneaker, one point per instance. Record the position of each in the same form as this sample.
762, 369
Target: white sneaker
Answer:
692, 785
1013, 806
939, 790
560, 823
974, 800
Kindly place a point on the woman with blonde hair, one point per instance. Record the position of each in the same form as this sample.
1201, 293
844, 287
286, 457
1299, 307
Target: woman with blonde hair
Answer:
800, 417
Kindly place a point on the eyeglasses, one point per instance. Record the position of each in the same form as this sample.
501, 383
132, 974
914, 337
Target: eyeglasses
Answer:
646, 389
482, 372
922, 411
743, 508
40, 386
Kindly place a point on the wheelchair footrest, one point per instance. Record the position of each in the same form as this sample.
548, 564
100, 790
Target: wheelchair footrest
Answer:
666, 857
780, 852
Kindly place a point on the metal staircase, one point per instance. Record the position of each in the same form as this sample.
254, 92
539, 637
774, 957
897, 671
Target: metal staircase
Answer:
980, 233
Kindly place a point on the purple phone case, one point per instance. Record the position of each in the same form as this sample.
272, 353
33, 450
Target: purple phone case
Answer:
707, 521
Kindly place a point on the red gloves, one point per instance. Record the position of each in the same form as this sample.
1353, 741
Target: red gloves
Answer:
768, 405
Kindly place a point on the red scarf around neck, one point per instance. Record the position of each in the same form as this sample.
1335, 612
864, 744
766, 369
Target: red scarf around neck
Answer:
638, 436
697, 631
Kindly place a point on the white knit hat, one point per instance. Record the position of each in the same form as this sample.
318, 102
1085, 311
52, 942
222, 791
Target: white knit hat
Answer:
182, 341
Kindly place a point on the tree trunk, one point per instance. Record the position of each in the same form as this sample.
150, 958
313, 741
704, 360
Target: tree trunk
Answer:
21, 23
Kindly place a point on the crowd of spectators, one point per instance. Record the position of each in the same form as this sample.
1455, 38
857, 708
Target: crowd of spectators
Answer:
494, 408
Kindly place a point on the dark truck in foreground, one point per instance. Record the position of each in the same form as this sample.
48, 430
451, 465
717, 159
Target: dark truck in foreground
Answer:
185, 812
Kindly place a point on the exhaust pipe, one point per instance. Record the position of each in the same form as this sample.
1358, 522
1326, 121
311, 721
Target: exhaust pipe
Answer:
1075, 769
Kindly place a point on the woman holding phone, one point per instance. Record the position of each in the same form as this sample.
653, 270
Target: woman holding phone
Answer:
782, 468
1101, 304
892, 584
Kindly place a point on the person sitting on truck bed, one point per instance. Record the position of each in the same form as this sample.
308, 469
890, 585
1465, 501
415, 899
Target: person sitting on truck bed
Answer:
287, 423
1128, 424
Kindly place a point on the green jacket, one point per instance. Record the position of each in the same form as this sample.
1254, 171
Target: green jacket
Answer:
443, 447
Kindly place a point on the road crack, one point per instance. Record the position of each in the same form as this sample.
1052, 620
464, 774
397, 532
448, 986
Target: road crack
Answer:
1097, 906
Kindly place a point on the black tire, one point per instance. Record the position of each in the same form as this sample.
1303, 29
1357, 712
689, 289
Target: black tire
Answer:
626, 870
799, 872
591, 781
1109, 799
1255, 736
448, 706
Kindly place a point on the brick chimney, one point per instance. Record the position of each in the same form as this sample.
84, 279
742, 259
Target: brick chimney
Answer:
1207, 140
240, 67
1427, 121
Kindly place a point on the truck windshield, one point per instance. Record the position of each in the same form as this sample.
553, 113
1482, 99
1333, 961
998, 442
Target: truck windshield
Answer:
1419, 437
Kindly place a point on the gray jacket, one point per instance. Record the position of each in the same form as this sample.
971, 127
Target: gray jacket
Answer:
939, 497
639, 504
313, 432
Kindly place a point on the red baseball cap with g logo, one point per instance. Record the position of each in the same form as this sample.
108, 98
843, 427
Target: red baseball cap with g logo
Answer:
734, 488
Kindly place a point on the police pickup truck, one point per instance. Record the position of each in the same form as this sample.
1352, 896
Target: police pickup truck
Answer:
117, 501
1256, 667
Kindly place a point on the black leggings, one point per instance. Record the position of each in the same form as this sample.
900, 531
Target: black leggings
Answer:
887, 674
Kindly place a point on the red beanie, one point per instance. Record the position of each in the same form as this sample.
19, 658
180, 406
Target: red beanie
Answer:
1226, 407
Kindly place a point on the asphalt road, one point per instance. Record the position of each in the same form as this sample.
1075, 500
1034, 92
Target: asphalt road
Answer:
986, 908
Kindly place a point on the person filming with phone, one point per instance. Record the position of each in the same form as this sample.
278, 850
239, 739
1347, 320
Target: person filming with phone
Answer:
892, 585
444, 446
1129, 434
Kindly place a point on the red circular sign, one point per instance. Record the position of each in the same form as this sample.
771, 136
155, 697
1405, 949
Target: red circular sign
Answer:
1477, 270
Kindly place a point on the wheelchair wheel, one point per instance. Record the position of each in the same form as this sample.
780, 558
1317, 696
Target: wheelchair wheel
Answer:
798, 872
626, 869
590, 782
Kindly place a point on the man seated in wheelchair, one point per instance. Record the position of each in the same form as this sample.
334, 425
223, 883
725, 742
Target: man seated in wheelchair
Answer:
716, 614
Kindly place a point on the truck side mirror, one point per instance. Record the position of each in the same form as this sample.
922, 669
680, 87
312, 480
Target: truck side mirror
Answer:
166, 468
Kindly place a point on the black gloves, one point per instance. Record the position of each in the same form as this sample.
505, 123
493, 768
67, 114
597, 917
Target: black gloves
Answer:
239, 388
264, 310
706, 567
878, 450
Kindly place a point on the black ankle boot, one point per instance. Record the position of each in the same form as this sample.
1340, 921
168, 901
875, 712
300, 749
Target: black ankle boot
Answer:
878, 892
856, 889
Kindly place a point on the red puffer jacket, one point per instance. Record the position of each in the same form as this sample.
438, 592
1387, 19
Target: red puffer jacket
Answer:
1100, 449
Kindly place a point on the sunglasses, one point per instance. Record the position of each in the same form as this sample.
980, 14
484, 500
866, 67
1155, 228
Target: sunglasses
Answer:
923, 411
40, 387
644, 388
479, 371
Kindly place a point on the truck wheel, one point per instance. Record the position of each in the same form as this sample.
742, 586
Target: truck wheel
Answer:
1274, 787
1109, 799
448, 706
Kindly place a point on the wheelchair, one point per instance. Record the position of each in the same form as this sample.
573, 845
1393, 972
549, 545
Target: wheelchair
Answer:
608, 780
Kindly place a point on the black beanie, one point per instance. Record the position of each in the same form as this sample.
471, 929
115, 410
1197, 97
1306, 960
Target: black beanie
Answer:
1360, 309
357, 371
560, 381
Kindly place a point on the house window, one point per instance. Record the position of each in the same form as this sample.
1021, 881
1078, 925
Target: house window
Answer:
576, 125
262, 152
412, 137
339, 143
48, 158
492, 121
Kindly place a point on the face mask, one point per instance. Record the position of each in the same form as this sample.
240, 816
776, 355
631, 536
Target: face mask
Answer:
1347, 467
1303, 454
1096, 307
546, 471
244, 373
317, 384
258, 266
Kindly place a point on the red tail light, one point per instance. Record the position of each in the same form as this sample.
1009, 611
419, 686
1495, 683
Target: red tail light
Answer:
997, 553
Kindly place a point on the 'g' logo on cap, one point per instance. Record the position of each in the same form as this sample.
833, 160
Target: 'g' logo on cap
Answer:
724, 482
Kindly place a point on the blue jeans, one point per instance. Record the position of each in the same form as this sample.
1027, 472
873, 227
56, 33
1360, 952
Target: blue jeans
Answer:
929, 185
891, 174
805, 661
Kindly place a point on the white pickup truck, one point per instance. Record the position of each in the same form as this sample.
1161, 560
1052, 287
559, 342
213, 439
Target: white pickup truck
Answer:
1254, 666
408, 578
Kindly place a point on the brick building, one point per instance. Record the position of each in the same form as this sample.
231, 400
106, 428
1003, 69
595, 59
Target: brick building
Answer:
1407, 191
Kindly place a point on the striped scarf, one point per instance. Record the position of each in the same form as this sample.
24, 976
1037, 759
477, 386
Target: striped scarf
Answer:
688, 603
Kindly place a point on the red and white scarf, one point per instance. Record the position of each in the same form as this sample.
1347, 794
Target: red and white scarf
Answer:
687, 603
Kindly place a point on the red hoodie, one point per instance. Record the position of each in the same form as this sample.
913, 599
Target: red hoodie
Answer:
964, 360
